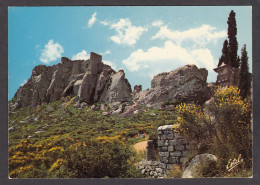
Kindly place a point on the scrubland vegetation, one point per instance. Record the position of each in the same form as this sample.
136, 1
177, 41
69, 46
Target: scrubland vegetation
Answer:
55, 141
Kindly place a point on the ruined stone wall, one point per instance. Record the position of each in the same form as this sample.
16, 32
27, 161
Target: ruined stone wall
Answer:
153, 169
172, 148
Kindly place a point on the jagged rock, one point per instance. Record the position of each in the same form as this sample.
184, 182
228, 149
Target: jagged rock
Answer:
118, 111
104, 107
83, 105
87, 79
59, 80
198, 164
137, 89
118, 89
185, 84
130, 111
106, 113
102, 82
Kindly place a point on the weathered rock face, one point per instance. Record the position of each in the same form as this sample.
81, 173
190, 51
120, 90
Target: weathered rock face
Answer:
185, 84
198, 164
118, 89
90, 80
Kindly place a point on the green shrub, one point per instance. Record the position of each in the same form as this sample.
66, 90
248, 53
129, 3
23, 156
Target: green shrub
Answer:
223, 127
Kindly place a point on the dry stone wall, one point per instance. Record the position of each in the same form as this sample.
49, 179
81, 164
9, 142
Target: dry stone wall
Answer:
172, 148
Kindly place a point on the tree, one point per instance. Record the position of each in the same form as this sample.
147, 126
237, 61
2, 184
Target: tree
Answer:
224, 57
233, 44
244, 82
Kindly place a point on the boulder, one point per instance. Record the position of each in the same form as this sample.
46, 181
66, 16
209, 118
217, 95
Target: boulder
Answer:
186, 84
200, 164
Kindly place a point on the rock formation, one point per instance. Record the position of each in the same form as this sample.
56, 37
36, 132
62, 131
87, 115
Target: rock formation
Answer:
91, 80
185, 84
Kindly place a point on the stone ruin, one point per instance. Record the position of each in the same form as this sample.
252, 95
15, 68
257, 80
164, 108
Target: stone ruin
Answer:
172, 150
227, 75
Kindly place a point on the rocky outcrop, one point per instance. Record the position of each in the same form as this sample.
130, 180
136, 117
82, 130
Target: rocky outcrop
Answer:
186, 84
91, 80
200, 164
118, 89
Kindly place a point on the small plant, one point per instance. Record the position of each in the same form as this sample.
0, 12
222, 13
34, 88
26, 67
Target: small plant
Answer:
175, 171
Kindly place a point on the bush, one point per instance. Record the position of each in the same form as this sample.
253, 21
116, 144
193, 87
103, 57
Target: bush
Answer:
223, 127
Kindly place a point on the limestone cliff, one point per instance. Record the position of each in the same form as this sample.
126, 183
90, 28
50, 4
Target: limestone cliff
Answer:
91, 80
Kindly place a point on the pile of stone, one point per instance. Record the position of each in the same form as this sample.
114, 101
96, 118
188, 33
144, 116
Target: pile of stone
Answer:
153, 169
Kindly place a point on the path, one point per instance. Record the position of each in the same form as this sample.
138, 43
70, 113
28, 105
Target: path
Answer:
141, 146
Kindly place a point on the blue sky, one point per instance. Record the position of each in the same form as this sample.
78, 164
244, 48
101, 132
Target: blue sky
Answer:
143, 41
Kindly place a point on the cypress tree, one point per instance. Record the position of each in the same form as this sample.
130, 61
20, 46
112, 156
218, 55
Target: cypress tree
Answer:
224, 57
244, 82
233, 44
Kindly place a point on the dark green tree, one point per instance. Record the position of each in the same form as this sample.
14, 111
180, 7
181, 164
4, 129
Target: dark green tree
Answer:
244, 82
224, 57
232, 36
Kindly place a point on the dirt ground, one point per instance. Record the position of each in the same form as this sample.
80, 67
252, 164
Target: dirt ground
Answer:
141, 146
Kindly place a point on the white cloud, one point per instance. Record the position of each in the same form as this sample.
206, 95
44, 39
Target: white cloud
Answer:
113, 65
83, 55
127, 34
92, 20
169, 57
105, 23
107, 52
51, 52
200, 36
157, 23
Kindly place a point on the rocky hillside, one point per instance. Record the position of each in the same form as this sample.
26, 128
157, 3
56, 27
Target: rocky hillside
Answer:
92, 81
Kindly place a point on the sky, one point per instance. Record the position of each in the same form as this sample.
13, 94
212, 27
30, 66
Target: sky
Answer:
141, 40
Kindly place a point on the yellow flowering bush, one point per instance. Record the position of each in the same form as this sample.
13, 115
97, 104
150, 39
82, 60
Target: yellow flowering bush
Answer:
225, 122
232, 122
190, 121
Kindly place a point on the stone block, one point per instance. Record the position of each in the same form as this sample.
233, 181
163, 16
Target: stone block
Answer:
155, 174
172, 142
143, 171
166, 154
179, 147
166, 143
161, 154
164, 149
163, 136
170, 148
170, 136
160, 142
165, 159
162, 165
182, 141
175, 154
159, 170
